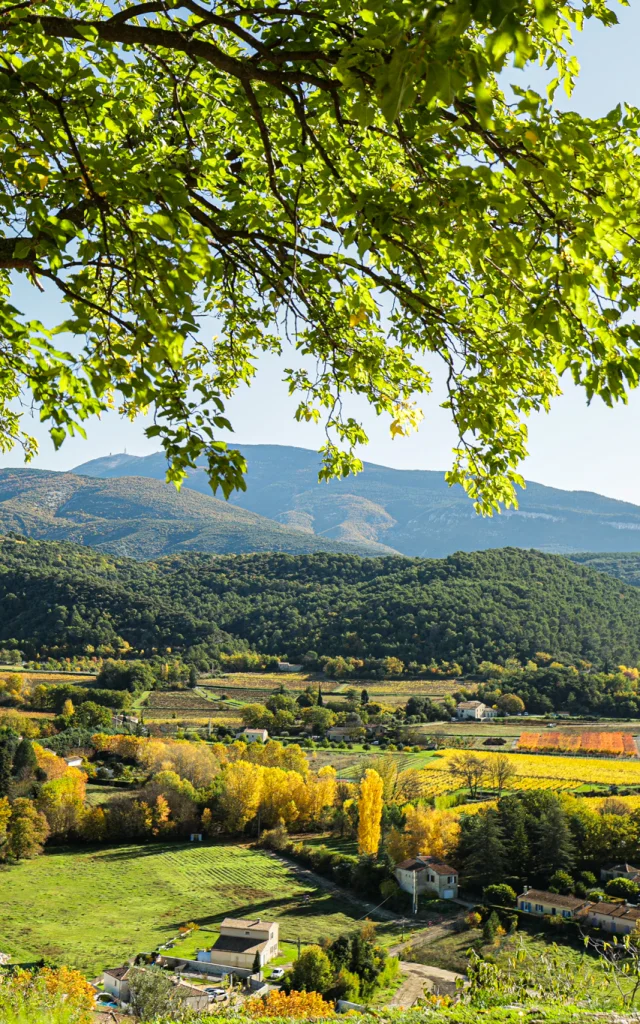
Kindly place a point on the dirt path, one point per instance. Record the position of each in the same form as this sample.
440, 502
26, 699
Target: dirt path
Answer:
420, 979
428, 934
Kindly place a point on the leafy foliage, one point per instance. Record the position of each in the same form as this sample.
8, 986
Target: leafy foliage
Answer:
351, 176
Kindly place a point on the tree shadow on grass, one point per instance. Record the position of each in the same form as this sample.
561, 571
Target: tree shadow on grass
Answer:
320, 904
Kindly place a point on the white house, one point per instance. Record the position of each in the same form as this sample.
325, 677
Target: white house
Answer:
75, 761
617, 918
285, 666
475, 709
239, 941
426, 874
116, 981
255, 735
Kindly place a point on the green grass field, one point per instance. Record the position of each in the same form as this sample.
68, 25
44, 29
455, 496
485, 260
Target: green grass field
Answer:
95, 909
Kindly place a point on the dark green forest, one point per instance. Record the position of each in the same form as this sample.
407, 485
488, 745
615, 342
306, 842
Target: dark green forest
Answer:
623, 565
61, 599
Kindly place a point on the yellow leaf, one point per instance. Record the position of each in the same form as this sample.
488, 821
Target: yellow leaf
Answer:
357, 318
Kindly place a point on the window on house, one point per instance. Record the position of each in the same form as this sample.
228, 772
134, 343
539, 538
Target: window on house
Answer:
566, 913
539, 908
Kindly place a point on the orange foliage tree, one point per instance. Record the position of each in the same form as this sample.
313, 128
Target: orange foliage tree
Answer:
297, 1005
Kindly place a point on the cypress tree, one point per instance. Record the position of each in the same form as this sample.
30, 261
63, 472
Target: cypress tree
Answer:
320, 698
513, 821
25, 762
486, 858
553, 847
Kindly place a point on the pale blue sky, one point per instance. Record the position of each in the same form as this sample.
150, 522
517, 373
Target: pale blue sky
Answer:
574, 447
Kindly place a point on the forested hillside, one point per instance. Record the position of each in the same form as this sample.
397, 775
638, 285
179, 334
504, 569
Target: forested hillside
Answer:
465, 608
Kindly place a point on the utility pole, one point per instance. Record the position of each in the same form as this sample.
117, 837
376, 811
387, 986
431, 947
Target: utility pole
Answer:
415, 893
298, 948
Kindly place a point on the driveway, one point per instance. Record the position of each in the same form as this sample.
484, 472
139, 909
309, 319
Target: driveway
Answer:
429, 934
421, 979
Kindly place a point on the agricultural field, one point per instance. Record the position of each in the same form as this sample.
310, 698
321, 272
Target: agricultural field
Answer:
548, 771
615, 744
51, 678
268, 681
95, 909
184, 701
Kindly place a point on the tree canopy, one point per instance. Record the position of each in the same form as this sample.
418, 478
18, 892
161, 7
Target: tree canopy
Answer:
349, 178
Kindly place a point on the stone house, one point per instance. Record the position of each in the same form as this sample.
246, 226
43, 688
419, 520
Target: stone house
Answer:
426, 874
255, 735
475, 709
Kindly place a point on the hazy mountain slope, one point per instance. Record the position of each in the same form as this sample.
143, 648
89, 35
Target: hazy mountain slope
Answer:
624, 566
142, 517
411, 511
468, 607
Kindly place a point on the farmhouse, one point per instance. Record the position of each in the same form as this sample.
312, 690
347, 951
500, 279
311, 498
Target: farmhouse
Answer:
75, 761
551, 904
239, 941
618, 918
474, 709
426, 874
337, 733
285, 666
255, 735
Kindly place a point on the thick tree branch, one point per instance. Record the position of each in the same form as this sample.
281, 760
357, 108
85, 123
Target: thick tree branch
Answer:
138, 35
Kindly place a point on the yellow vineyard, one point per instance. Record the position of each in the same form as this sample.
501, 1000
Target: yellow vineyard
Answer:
537, 771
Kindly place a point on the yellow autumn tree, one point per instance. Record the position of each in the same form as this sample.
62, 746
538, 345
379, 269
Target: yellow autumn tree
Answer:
61, 800
369, 812
426, 831
241, 791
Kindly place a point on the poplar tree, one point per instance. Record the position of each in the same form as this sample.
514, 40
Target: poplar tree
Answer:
370, 813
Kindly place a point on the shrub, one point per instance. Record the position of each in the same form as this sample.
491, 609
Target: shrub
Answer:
624, 888
561, 882
502, 895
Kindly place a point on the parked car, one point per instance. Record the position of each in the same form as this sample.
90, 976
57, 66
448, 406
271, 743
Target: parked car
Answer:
277, 973
216, 995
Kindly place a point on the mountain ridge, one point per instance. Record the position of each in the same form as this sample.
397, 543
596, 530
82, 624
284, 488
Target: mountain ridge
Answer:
143, 518
411, 512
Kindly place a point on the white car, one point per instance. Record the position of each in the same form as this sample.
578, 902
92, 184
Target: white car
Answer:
216, 995
277, 973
